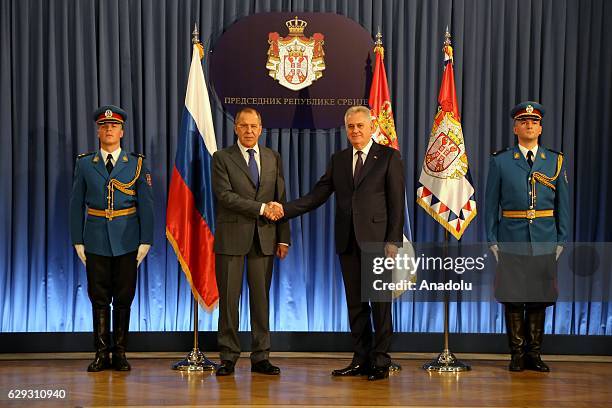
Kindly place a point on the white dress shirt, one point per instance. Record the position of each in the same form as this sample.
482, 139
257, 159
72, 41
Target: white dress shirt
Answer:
364, 156
524, 150
245, 154
115, 155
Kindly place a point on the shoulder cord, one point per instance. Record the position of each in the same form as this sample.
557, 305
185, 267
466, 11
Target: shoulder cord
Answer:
123, 187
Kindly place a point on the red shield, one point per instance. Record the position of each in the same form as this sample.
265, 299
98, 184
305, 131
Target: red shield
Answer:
296, 68
442, 152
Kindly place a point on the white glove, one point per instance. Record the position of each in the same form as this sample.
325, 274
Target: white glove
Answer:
494, 248
558, 254
143, 250
80, 250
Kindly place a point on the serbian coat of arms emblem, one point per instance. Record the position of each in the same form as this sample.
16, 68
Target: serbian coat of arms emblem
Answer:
295, 61
445, 157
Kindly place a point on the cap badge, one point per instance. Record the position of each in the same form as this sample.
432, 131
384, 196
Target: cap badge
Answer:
529, 109
108, 113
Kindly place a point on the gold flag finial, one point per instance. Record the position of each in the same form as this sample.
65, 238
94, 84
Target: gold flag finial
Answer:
195, 40
195, 34
378, 45
447, 37
448, 48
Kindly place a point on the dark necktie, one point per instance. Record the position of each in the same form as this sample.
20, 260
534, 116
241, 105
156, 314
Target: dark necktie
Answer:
253, 167
530, 158
358, 167
109, 163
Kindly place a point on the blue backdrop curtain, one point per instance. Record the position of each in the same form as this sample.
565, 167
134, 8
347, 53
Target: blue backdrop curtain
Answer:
61, 59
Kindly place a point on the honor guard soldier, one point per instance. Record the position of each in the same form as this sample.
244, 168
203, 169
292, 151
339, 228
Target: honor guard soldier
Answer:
527, 222
111, 225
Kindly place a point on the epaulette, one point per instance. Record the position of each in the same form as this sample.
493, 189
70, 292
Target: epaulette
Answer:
500, 151
554, 151
138, 155
85, 155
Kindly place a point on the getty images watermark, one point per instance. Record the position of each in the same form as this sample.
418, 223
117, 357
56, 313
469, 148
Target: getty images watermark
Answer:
406, 265
518, 272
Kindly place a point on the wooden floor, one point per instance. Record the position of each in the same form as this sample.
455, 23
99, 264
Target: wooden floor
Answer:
305, 381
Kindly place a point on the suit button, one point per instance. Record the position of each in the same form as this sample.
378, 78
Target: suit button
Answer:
531, 221
530, 193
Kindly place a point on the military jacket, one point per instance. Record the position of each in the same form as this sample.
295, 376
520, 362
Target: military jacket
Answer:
132, 189
511, 187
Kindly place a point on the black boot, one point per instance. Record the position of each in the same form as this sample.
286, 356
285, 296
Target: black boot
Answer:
535, 334
515, 328
101, 329
121, 324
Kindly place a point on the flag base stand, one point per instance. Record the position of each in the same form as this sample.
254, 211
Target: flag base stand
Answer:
195, 361
395, 367
446, 363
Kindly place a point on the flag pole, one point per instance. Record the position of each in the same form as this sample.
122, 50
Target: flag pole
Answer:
195, 361
446, 361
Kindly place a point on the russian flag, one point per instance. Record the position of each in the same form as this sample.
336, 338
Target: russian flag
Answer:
190, 214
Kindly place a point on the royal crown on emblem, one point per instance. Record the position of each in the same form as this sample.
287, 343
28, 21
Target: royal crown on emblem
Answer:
296, 50
296, 26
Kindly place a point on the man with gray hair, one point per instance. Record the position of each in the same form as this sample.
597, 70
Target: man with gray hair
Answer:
368, 180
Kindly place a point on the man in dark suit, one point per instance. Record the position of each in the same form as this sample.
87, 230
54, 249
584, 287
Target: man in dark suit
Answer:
111, 225
245, 177
529, 185
368, 180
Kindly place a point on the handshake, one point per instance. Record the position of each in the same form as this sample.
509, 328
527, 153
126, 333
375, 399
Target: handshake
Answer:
273, 211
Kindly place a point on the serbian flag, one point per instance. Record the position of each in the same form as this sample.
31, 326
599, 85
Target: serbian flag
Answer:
382, 114
445, 188
385, 134
190, 214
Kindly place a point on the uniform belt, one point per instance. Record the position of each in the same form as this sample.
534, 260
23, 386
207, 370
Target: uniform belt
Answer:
110, 214
528, 214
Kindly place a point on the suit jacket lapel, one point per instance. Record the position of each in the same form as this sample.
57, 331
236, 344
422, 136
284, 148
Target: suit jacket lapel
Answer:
99, 165
539, 161
369, 163
236, 157
120, 165
266, 160
520, 160
346, 163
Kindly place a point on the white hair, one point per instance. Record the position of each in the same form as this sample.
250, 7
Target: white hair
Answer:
357, 109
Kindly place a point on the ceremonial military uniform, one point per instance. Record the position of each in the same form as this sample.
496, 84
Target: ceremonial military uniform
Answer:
527, 220
111, 214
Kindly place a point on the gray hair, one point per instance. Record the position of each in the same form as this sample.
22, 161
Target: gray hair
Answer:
357, 109
247, 109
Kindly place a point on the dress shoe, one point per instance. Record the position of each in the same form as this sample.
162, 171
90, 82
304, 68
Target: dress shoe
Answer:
225, 368
120, 362
265, 367
535, 363
378, 373
351, 370
100, 362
